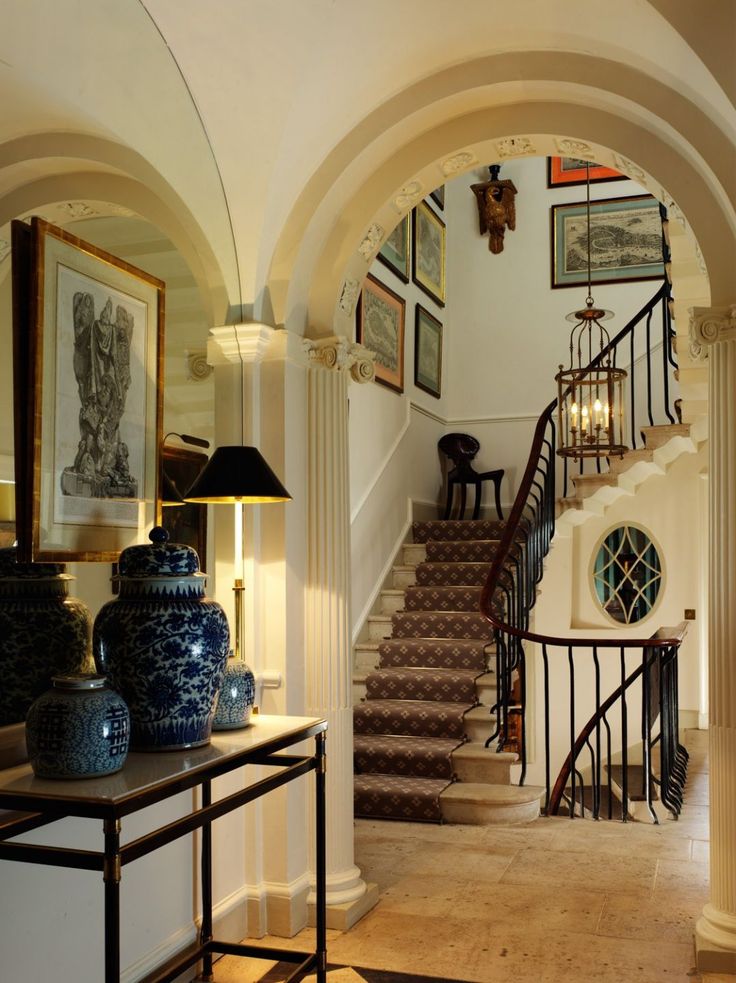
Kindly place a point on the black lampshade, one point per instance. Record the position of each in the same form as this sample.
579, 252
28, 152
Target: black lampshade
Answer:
237, 474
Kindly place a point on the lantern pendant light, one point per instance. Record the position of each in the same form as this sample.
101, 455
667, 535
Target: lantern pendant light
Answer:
590, 393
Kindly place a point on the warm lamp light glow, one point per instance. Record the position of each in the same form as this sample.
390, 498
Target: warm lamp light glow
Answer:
237, 474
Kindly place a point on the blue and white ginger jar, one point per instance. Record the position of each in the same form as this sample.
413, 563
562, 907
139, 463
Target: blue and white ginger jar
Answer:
163, 645
236, 698
43, 632
78, 729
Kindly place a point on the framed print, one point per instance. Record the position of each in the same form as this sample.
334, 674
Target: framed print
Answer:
394, 253
428, 254
185, 523
563, 171
625, 241
88, 348
380, 323
438, 196
427, 352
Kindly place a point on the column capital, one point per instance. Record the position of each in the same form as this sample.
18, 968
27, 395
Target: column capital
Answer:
238, 342
340, 354
709, 325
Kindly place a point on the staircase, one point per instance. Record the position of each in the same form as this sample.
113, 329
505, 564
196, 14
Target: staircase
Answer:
425, 715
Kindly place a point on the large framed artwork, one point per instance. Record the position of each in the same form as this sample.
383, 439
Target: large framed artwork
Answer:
427, 352
87, 348
428, 254
625, 241
563, 171
380, 327
394, 253
185, 523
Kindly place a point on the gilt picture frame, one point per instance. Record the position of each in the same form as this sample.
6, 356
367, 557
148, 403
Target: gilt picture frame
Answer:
380, 321
88, 361
626, 241
395, 251
428, 253
427, 352
563, 172
438, 197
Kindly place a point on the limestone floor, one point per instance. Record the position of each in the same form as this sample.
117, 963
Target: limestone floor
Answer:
557, 901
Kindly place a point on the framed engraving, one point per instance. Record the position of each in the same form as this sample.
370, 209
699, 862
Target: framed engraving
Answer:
428, 255
380, 327
87, 348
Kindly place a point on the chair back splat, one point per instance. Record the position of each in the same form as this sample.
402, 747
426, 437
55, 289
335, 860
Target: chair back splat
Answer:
461, 449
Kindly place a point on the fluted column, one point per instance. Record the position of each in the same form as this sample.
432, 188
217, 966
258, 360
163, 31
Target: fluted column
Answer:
715, 330
328, 643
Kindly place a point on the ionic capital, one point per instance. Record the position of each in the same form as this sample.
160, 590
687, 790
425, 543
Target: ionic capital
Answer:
709, 325
340, 354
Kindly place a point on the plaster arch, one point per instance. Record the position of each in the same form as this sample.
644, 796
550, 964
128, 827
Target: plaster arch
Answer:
414, 133
96, 169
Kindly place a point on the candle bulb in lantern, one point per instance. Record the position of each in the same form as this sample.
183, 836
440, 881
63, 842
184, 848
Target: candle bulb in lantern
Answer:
598, 411
584, 419
574, 415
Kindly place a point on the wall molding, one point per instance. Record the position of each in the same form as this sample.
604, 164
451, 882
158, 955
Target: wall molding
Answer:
386, 460
360, 621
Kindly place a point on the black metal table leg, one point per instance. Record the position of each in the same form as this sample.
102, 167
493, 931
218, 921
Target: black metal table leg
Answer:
111, 874
321, 858
205, 934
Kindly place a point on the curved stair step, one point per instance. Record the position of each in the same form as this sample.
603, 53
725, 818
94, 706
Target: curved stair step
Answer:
490, 805
418, 757
477, 763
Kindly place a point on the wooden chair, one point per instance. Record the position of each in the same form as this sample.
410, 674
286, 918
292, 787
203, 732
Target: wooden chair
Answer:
461, 448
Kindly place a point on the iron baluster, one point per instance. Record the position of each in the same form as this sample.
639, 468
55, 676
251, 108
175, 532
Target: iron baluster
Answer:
571, 665
624, 742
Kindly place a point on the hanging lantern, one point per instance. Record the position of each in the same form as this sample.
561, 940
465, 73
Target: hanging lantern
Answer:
590, 393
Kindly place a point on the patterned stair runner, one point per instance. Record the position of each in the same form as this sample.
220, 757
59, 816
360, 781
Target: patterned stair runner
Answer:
413, 715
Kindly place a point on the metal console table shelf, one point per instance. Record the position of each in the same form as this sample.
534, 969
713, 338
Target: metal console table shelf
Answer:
150, 778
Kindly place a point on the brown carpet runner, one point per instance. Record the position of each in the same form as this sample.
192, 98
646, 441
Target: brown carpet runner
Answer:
413, 715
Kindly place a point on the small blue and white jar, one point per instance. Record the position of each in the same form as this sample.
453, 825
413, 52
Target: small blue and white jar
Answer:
80, 728
236, 698
163, 645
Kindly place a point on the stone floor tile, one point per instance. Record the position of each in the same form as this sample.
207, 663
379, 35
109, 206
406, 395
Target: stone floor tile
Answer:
622, 875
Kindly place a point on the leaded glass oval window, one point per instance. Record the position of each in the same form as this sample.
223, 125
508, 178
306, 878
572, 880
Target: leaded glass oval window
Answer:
627, 574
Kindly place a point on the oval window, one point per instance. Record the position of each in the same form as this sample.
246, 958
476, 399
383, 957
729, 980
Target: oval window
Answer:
627, 574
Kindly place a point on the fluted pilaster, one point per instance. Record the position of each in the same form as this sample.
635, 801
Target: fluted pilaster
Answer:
328, 648
714, 330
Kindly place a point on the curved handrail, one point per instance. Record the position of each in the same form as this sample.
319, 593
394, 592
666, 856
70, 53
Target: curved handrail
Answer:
662, 638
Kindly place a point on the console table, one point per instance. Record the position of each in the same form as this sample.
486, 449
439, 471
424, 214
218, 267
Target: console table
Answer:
150, 778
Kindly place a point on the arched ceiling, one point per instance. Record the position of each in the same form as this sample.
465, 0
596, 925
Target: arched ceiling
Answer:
256, 134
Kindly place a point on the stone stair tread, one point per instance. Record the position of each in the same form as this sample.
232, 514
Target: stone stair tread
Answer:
479, 752
479, 712
472, 792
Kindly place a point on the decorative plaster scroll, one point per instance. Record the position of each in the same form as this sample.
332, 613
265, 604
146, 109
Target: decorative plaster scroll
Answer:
339, 353
709, 325
460, 162
700, 259
4, 249
198, 368
349, 296
630, 169
371, 242
574, 148
515, 147
77, 209
409, 195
